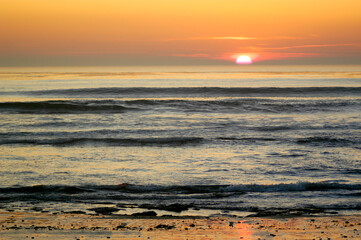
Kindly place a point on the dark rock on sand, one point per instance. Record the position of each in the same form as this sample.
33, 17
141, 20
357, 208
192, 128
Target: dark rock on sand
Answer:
163, 226
176, 207
149, 213
76, 212
121, 226
104, 210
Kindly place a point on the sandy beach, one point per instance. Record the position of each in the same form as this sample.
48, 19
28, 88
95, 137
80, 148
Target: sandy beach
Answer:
20, 225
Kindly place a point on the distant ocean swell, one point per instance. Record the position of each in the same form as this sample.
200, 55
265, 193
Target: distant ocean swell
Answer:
171, 141
227, 105
60, 141
49, 107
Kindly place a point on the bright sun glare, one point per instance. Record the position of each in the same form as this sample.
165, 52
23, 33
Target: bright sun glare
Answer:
244, 59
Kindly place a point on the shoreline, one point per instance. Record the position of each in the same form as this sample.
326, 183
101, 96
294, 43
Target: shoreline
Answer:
22, 225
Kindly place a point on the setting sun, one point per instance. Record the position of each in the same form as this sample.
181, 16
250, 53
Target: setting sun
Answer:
139, 33
244, 59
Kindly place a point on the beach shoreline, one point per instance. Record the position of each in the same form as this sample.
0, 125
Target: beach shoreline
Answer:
22, 225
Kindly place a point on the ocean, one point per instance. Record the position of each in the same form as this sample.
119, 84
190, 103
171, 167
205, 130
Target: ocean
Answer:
203, 141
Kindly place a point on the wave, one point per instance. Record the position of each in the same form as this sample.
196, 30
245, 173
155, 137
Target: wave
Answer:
330, 141
70, 139
244, 197
237, 91
49, 107
249, 139
171, 141
247, 188
188, 105
184, 189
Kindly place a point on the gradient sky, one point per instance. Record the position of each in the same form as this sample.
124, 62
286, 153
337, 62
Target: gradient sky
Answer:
163, 32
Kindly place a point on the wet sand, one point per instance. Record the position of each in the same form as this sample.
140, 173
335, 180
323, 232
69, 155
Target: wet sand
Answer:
15, 225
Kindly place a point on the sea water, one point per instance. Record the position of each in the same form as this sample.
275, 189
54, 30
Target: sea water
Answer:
181, 140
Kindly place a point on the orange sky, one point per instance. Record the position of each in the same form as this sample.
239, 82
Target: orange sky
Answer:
119, 32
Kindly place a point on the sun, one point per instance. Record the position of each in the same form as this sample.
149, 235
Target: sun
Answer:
244, 59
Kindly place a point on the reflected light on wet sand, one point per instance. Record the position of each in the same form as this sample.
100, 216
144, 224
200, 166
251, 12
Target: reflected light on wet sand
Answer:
245, 231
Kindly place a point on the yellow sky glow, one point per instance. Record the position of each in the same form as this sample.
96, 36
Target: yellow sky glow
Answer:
212, 29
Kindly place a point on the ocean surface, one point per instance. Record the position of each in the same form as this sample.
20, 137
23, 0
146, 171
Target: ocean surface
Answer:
242, 140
